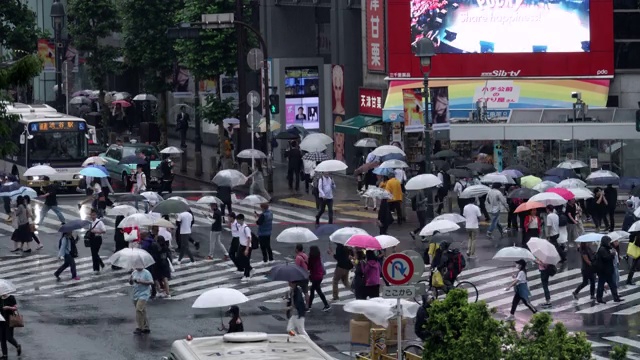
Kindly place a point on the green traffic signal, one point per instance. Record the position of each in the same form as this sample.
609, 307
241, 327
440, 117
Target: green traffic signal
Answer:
274, 104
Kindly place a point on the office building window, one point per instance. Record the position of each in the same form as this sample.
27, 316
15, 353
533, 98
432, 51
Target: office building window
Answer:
625, 25
626, 55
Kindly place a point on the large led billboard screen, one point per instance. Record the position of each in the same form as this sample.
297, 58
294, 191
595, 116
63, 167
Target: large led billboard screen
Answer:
502, 26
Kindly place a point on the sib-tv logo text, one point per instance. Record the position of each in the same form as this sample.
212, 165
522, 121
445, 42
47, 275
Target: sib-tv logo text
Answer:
501, 73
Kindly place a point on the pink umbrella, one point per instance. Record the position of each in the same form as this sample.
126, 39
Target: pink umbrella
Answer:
372, 243
566, 194
122, 103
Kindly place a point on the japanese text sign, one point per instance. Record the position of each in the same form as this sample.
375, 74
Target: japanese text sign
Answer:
376, 48
370, 102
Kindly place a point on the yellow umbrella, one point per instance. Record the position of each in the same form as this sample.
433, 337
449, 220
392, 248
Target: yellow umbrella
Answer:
263, 125
530, 181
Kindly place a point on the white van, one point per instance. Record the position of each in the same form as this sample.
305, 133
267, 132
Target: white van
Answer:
247, 346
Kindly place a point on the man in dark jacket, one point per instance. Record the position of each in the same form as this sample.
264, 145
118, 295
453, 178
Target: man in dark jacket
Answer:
341, 274
604, 269
422, 317
611, 195
182, 125
295, 165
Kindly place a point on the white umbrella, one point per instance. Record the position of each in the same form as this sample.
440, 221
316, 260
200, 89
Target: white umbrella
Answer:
229, 178
441, 226
136, 220
230, 121
387, 241
544, 186
380, 310
323, 138
121, 96
251, 154
209, 200
581, 193
494, 178
386, 150
635, 227
219, 298
393, 164
40, 170
514, 253
295, 235
423, 181
94, 160
572, 164
377, 193
253, 200
131, 258
152, 197
549, 198
171, 150
145, 97
123, 210
602, 174
474, 191
453, 217
544, 251
366, 143
313, 145
330, 166
341, 236
160, 222
590, 237
6, 287
619, 235
179, 198
79, 100
571, 183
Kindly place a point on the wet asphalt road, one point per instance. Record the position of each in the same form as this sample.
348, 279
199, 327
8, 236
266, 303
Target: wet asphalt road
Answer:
95, 320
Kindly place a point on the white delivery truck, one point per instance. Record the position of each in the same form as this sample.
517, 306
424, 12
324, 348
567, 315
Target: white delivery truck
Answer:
247, 346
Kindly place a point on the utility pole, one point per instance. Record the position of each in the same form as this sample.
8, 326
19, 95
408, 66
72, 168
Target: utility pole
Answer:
242, 79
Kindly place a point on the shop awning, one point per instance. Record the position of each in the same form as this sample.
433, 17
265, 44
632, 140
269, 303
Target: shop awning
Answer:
352, 126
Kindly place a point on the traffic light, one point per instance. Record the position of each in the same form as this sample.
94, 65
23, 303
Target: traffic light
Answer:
274, 104
638, 120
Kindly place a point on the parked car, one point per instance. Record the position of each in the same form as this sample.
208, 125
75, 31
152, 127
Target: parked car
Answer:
123, 172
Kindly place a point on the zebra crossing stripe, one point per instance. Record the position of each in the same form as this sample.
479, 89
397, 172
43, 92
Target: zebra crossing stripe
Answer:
609, 305
556, 285
623, 340
18, 259
585, 299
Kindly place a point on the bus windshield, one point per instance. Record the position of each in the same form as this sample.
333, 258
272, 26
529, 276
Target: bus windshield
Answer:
62, 145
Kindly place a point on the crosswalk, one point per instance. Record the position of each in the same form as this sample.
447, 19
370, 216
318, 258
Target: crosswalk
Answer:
601, 346
281, 215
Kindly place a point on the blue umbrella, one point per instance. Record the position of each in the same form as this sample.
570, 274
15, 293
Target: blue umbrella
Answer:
394, 156
562, 173
326, 229
23, 191
100, 167
288, 272
383, 171
74, 225
9, 187
590, 237
93, 172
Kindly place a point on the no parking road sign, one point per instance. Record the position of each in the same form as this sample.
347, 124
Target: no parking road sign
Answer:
398, 269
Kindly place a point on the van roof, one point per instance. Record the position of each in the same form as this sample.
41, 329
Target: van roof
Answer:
275, 347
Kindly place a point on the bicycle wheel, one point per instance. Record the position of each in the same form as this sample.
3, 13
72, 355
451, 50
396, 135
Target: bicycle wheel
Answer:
415, 350
418, 297
471, 290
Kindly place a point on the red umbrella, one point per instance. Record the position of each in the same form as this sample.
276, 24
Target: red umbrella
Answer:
122, 103
566, 194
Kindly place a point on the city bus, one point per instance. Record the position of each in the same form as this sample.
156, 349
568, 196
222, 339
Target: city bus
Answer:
46, 137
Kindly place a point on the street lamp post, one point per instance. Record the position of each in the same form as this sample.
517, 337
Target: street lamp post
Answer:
57, 18
425, 51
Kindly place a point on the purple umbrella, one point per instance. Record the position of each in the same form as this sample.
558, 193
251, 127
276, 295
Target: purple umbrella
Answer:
512, 173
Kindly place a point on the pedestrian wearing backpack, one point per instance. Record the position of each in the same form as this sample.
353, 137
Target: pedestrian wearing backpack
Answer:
604, 268
458, 188
66, 252
419, 205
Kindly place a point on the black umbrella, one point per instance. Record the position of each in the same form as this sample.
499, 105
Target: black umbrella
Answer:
74, 225
479, 167
285, 135
562, 173
446, 154
635, 191
460, 173
441, 164
132, 159
171, 206
130, 197
523, 169
522, 193
288, 272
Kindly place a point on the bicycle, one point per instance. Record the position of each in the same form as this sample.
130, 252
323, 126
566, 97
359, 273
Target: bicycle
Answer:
471, 289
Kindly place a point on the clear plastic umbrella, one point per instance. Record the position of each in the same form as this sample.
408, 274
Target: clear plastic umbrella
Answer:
179, 198
394, 164
571, 183
229, 178
367, 143
495, 178
136, 220
6, 287
209, 200
453, 217
441, 226
581, 193
514, 253
253, 200
619, 235
94, 160
251, 154
323, 138
423, 181
548, 198
380, 310
171, 150
544, 251
544, 186
377, 193
152, 197
342, 235
330, 166
123, 210
219, 298
572, 164
313, 145
131, 258
145, 97
386, 150
296, 235
474, 191
40, 170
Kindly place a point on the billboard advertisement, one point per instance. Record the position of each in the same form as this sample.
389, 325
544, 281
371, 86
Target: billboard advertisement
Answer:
413, 110
302, 102
502, 38
502, 26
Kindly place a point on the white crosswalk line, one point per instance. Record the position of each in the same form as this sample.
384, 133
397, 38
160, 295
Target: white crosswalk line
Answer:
19, 259
623, 340
609, 304
584, 299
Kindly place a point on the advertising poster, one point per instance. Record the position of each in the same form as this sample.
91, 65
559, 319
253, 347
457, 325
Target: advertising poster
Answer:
502, 26
46, 52
337, 83
183, 84
439, 97
498, 94
229, 88
413, 110
302, 102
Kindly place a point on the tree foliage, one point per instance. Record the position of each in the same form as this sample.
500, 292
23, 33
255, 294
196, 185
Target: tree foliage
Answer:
215, 111
468, 331
619, 352
215, 53
89, 24
18, 27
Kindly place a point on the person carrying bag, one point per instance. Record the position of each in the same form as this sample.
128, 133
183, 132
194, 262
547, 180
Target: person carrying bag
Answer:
12, 319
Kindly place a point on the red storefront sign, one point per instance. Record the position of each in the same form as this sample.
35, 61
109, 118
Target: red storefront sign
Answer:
376, 26
370, 102
579, 45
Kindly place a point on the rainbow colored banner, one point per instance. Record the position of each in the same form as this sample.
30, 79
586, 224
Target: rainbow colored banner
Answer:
503, 94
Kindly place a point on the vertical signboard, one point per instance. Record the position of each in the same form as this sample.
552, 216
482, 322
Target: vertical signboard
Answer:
370, 102
439, 97
376, 47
